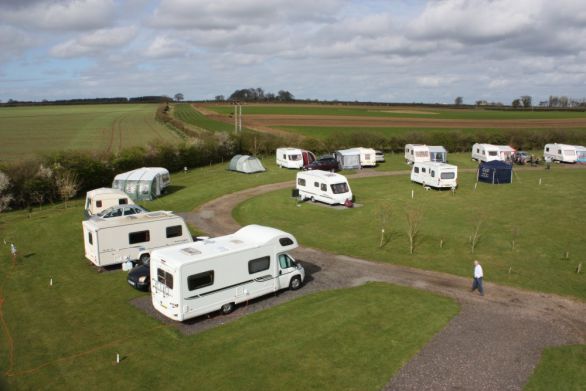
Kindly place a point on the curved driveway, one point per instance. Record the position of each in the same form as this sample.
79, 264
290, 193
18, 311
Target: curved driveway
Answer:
494, 343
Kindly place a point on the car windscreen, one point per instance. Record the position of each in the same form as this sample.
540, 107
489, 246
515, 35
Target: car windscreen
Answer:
340, 188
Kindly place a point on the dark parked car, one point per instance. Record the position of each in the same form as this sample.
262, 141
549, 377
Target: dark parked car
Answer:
325, 163
140, 277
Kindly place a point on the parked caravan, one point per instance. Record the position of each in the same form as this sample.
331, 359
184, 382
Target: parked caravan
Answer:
100, 199
294, 157
506, 153
415, 153
434, 174
348, 159
194, 279
114, 241
560, 153
580, 154
246, 164
324, 186
144, 183
367, 157
437, 153
495, 172
485, 152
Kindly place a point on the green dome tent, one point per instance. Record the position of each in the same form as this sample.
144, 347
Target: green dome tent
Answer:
246, 164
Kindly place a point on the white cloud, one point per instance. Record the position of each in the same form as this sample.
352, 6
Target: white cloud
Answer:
14, 42
166, 47
95, 42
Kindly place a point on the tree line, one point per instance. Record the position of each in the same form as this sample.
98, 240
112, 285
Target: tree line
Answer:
258, 95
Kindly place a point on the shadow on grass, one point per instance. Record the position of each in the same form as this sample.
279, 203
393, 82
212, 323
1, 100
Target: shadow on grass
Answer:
173, 189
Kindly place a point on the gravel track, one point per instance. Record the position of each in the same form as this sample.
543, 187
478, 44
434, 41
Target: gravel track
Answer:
494, 343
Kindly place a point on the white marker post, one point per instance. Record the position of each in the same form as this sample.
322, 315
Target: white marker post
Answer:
117, 358
51, 282
412, 193
539, 181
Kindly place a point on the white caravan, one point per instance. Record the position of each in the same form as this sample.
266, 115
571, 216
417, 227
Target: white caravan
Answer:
103, 198
560, 152
434, 174
144, 183
293, 157
415, 153
328, 187
194, 279
367, 156
485, 152
131, 238
506, 153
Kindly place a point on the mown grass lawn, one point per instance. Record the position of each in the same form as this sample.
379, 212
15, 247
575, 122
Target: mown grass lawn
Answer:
26, 131
560, 368
546, 221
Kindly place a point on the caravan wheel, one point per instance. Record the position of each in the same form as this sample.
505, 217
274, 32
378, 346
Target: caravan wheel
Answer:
227, 308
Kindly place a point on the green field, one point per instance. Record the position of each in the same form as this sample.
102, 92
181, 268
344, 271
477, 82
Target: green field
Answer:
546, 221
26, 131
186, 113
561, 368
67, 336
394, 111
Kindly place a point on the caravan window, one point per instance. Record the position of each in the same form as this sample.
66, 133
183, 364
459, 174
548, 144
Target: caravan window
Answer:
294, 157
174, 231
569, 152
99, 204
324, 187
285, 262
139, 237
492, 153
259, 264
340, 188
165, 278
477, 150
448, 175
416, 170
301, 182
200, 280
432, 173
285, 241
316, 184
90, 239
122, 201
423, 169
421, 154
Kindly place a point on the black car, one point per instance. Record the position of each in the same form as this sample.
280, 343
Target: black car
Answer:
325, 163
140, 277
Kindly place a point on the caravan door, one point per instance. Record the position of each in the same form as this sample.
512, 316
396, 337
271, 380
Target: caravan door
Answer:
287, 268
308, 158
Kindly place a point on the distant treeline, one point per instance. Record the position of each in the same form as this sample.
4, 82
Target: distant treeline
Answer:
90, 101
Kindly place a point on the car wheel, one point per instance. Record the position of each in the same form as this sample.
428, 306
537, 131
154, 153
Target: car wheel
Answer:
295, 283
227, 308
144, 259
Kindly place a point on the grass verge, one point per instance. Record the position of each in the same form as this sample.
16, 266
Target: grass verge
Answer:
560, 368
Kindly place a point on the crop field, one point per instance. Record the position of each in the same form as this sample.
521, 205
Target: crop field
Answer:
67, 335
528, 236
26, 131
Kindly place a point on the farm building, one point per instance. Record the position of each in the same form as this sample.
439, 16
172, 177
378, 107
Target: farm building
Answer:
145, 183
495, 172
246, 164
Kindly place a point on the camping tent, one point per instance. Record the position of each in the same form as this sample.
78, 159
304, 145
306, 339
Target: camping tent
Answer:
246, 164
495, 172
348, 159
144, 183
437, 153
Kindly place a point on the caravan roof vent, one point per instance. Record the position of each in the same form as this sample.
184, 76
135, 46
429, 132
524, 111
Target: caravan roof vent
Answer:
191, 250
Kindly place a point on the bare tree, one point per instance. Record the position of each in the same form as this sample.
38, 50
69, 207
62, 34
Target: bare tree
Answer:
67, 185
414, 218
384, 213
5, 198
475, 238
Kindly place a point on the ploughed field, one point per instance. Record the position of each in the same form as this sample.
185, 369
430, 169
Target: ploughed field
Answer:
26, 131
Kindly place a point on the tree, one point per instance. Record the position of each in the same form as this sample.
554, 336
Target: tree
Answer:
475, 237
526, 99
67, 185
179, 97
285, 96
414, 218
220, 98
458, 101
5, 198
384, 217
516, 103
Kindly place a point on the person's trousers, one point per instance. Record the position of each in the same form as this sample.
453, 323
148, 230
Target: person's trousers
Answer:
477, 284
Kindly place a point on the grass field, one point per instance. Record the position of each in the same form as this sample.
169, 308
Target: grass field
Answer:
561, 368
186, 113
545, 220
26, 131
67, 336
392, 111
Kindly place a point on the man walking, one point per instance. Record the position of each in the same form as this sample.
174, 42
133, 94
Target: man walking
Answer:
478, 275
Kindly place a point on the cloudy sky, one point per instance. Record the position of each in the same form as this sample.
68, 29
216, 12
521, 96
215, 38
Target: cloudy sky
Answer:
395, 50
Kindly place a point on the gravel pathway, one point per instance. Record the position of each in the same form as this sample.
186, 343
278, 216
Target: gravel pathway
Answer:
493, 344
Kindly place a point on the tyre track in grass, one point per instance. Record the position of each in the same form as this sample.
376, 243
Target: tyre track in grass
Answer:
494, 343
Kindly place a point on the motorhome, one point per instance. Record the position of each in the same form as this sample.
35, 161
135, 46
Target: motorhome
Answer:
415, 153
131, 238
194, 279
103, 198
324, 186
293, 157
485, 152
560, 153
144, 183
348, 159
434, 174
